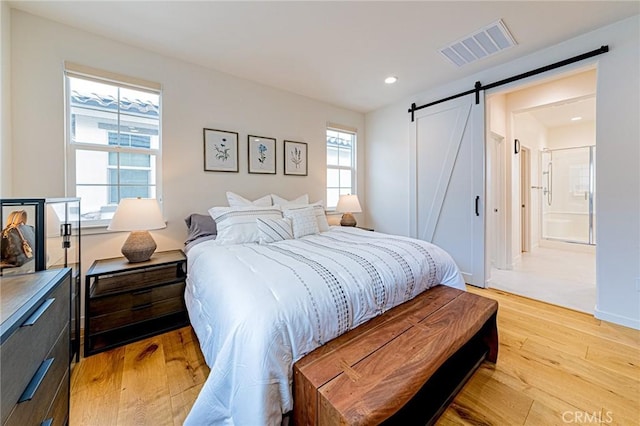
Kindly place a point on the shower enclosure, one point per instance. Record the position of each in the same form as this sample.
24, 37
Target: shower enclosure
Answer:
568, 194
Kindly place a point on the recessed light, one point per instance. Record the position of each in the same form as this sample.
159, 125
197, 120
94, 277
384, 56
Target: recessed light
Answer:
576, 118
391, 79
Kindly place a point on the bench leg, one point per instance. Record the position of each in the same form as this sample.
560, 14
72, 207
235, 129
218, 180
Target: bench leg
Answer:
490, 338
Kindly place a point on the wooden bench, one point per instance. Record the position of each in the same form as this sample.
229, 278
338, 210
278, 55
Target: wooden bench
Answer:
408, 362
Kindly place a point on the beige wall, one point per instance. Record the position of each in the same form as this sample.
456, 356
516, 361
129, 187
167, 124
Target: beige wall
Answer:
5, 101
571, 136
193, 98
532, 135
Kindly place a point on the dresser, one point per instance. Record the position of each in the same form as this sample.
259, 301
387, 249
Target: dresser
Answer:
125, 302
34, 348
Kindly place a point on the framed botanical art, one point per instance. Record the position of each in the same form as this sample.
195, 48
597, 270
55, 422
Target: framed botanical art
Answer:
262, 154
220, 151
295, 158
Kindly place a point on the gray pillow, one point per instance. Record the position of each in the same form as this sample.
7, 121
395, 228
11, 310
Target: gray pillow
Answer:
199, 226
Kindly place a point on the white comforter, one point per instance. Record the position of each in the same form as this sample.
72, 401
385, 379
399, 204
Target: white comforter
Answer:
257, 309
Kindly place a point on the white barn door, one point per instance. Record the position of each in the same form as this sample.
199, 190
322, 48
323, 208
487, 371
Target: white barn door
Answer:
447, 182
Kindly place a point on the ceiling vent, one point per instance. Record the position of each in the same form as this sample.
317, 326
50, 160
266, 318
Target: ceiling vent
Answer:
483, 43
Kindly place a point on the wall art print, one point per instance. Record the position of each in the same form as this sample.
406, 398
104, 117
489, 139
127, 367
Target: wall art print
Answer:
220, 151
295, 158
262, 154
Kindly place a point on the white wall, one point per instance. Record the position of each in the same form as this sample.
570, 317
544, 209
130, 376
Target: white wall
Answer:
5, 100
618, 133
193, 98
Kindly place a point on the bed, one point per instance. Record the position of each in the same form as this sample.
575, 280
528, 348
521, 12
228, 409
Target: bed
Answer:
258, 308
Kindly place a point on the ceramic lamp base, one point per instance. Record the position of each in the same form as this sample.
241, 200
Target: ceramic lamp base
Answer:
138, 247
348, 220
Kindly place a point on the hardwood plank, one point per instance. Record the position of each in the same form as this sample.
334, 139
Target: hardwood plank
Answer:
561, 338
572, 320
95, 389
182, 402
621, 359
487, 401
145, 397
588, 389
605, 379
185, 364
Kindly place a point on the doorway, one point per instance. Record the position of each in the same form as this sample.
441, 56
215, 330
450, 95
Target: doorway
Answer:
548, 241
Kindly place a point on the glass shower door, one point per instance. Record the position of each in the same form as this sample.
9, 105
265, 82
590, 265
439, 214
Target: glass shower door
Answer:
567, 201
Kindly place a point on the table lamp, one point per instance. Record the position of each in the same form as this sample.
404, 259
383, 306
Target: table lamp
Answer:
137, 215
348, 204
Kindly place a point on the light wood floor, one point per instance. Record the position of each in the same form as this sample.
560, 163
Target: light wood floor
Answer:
555, 367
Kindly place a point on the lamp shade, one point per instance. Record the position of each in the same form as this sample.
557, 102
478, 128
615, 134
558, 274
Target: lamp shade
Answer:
348, 204
137, 214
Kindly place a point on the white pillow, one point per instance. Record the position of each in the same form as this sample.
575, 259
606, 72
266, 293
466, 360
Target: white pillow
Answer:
301, 200
318, 209
303, 221
237, 225
236, 200
272, 230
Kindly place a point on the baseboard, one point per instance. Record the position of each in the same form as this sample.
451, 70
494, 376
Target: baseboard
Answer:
562, 245
617, 319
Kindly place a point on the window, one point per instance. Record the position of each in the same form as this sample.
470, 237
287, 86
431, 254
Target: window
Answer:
113, 141
341, 170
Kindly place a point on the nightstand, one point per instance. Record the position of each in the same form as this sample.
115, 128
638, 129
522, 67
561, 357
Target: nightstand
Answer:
125, 302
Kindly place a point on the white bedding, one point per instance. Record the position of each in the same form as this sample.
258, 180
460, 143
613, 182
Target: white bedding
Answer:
257, 309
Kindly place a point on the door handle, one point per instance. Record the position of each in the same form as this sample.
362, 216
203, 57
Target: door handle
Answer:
477, 205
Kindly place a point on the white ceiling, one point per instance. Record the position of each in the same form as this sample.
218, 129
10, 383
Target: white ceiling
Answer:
561, 114
336, 52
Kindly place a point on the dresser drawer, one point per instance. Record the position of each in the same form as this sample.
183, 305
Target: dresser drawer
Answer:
125, 301
137, 314
58, 414
23, 352
34, 410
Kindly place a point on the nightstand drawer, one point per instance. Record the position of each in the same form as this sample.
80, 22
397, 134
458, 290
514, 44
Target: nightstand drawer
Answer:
24, 351
136, 314
136, 279
44, 383
127, 301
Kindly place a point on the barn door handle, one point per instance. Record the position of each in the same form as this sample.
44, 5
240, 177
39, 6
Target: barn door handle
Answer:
477, 205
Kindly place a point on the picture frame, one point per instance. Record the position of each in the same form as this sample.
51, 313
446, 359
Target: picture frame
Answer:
261, 154
295, 158
220, 151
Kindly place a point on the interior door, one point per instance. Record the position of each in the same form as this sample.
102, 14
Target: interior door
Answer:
447, 182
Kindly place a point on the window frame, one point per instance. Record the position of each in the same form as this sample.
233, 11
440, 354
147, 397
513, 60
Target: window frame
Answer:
71, 147
352, 167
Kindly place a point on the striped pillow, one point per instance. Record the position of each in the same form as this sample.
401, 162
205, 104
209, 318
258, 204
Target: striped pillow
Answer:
272, 230
237, 225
